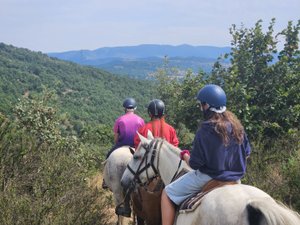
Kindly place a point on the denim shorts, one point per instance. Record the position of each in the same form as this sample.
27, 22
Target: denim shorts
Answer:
186, 186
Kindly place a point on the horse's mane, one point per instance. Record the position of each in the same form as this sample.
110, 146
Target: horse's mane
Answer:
173, 148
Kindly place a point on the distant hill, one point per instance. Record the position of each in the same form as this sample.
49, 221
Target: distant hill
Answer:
141, 60
86, 93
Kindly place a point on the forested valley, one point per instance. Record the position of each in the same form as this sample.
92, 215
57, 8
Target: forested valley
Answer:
56, 123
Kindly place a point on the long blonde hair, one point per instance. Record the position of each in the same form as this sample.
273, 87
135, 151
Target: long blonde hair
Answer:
221, 121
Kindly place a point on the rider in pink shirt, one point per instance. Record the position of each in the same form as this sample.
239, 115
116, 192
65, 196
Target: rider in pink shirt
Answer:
124, 130
126, 126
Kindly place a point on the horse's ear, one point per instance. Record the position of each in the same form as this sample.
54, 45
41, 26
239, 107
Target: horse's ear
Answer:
131, 150
143, 139
150, 135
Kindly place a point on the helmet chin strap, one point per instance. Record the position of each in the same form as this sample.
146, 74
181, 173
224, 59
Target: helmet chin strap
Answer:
220, 110
208, 112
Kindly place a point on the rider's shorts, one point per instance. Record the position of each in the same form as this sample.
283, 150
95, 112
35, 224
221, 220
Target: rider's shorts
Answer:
186, 186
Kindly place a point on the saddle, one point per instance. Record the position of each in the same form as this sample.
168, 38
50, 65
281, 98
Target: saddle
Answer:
193, 202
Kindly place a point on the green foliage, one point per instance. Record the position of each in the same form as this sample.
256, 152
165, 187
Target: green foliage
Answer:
38, 119
43, 178
262, 90
274, 167
179, 97
88, 95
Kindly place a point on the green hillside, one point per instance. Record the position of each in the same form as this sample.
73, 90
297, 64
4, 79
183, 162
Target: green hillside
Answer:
87, 94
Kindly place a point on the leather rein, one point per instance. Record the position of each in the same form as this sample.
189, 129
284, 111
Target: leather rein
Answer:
155, 145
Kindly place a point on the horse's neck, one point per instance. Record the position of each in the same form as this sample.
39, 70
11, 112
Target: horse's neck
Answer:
169, 161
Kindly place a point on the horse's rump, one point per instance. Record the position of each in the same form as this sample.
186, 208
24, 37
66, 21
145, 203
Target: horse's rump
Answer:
266, 211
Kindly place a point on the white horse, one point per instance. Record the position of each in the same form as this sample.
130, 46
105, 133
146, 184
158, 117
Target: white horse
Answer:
115, 165
228, 205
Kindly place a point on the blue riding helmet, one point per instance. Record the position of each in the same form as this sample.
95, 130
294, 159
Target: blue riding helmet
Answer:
213, 95
129, 103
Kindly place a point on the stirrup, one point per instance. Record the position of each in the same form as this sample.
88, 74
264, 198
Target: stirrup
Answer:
104, 186
123, 211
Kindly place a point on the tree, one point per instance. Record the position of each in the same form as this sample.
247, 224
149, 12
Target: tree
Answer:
262, 89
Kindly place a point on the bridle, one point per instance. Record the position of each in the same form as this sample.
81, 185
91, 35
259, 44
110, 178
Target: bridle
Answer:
155, 145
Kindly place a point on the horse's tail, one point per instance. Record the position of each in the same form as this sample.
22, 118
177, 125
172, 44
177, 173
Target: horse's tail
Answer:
269, 212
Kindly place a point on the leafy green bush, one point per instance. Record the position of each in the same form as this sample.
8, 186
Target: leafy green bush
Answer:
43, 178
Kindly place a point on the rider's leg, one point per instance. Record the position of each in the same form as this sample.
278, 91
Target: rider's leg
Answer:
124, 209
167, 209
127, 203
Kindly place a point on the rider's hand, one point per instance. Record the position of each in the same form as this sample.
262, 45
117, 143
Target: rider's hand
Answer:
184, 154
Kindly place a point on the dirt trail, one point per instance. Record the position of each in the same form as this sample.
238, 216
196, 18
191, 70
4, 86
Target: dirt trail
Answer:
96, 182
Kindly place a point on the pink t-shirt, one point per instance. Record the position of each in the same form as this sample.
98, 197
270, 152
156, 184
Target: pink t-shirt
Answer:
126, 126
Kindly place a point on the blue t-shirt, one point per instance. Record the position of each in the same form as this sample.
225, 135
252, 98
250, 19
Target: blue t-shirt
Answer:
212, 157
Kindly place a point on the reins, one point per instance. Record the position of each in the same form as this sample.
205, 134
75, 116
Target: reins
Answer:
175, 174
155, 145
139, 170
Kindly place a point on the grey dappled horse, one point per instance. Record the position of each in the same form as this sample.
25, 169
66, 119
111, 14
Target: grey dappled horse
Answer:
113, 170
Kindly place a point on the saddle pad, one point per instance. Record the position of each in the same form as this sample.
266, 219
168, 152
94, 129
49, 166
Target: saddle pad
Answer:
192, 203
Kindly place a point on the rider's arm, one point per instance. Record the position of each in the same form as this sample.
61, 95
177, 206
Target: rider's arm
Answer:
186, 158
116, 130
185, 155
116, 137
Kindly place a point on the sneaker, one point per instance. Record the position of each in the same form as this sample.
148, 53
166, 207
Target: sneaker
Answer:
104, 186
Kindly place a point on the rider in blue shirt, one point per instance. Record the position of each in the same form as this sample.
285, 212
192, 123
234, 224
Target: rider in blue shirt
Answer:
224, 162
220, 149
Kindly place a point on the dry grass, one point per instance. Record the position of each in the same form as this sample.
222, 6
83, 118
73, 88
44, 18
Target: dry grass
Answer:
96, 182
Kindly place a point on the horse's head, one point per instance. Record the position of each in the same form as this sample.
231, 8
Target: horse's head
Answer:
143, 166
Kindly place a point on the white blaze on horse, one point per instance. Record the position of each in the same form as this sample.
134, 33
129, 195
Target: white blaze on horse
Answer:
114, 167
228, 205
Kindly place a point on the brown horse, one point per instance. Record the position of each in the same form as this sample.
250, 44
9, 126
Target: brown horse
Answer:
146, 202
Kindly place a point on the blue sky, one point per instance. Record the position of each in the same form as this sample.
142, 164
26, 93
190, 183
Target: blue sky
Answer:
63, 25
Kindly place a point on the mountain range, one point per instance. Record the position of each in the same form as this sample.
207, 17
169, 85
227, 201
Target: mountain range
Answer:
142, 60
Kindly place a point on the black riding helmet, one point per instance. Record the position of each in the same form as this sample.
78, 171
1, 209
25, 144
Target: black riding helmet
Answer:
129, 103
156, 108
